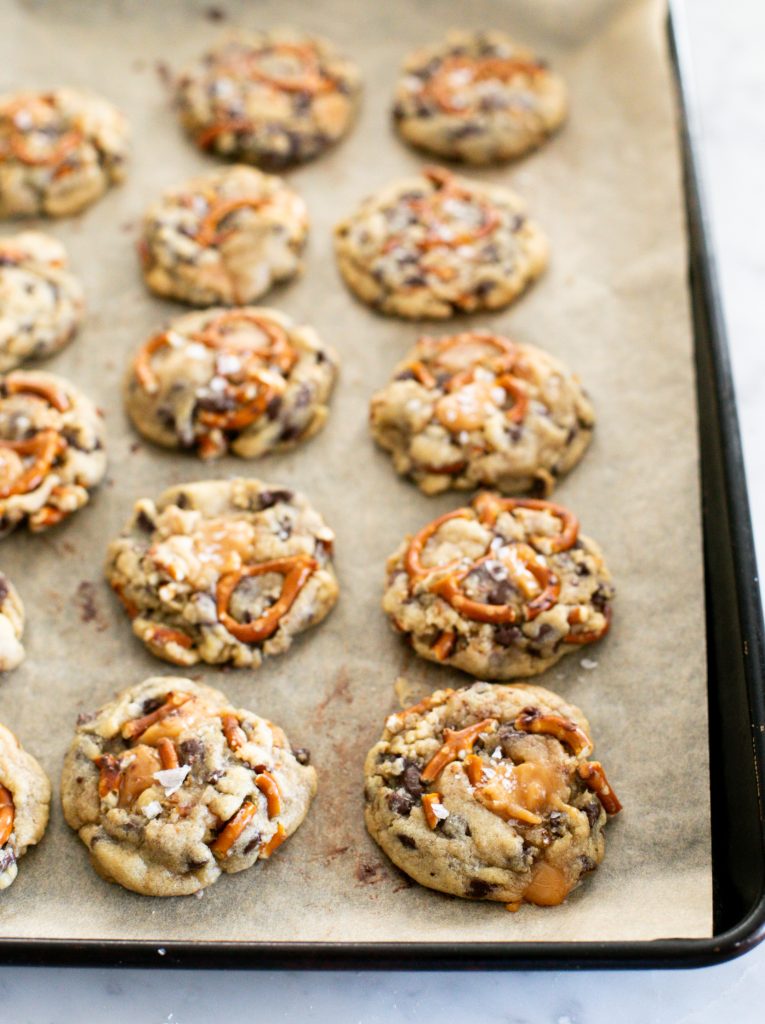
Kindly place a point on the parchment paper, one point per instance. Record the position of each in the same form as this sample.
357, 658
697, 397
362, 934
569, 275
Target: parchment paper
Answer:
613, 305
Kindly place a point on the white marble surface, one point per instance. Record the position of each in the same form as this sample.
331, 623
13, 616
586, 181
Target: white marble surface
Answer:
726, 43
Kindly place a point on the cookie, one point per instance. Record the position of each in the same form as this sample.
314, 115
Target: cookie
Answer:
41, 302
51, 449
273, 99
59, 151
436, 245
478, 97
168, 786
487, 793
12, 619
225, 237
501, 589
223, 571
478, 410
24, 804
247, 380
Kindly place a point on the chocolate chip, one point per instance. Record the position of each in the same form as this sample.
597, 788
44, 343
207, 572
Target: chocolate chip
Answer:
400, 802
267, 499
592, 810
407, 841
255, 841
182, 500
273, 407
405, 375
506, 634
302, 755
144, 522
412, 782
191, 751
556, 823
215, 776
151, 704
588, 864
478, 889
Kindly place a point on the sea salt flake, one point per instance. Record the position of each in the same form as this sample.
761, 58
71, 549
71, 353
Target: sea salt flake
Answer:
153, 809
440, 812
171, 779
588, 663
496, 754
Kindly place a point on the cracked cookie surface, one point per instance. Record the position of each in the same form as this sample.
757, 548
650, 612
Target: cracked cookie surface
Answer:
223, 571
478, 97
502, 588
24, 804
436, 245
486, 793
41, 302
12, 618
478, 410
169, 786
223, 237
51, 449
59, 151
272, 99
246, 380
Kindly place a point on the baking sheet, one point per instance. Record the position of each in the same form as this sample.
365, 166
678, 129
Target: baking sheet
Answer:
614, 305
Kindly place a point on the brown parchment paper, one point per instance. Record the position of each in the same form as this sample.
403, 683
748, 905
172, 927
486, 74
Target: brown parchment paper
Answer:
613, 305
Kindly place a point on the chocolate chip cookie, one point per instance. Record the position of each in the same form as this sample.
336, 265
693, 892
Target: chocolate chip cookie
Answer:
487, 793
225, 237
503, 588
223, 571
24, 804
51, 450
41, 302
478, 97
246, 380
169, 785
436, 245
269, 98
478, 410
12, 619
59, 151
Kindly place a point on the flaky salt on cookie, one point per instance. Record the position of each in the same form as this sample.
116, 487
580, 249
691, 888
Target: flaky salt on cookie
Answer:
51, 450
478, 97
487, 793
436, 245
59, 151
225, 237
502, 588
169, 786
246, 381
223, 571
24, 804
476, 409
272, 99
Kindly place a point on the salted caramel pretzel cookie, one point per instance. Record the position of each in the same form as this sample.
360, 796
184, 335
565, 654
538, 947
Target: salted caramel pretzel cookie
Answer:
223, 237
487, 792
223, 571
478, 97
24, 804
51, 449
269, 98
59, 151
168, 786
501, 589
41, 302
436, 245
12, 619
245, 380
478, 410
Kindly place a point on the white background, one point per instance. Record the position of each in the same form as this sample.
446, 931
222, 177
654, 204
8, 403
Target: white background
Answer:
727, 38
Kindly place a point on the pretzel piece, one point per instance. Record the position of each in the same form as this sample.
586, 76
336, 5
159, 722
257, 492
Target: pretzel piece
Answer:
296, 570
455, 742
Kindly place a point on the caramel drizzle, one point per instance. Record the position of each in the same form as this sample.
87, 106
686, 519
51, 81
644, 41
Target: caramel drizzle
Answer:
296, 570
441, 89
57, 150
7, 815
428, 210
